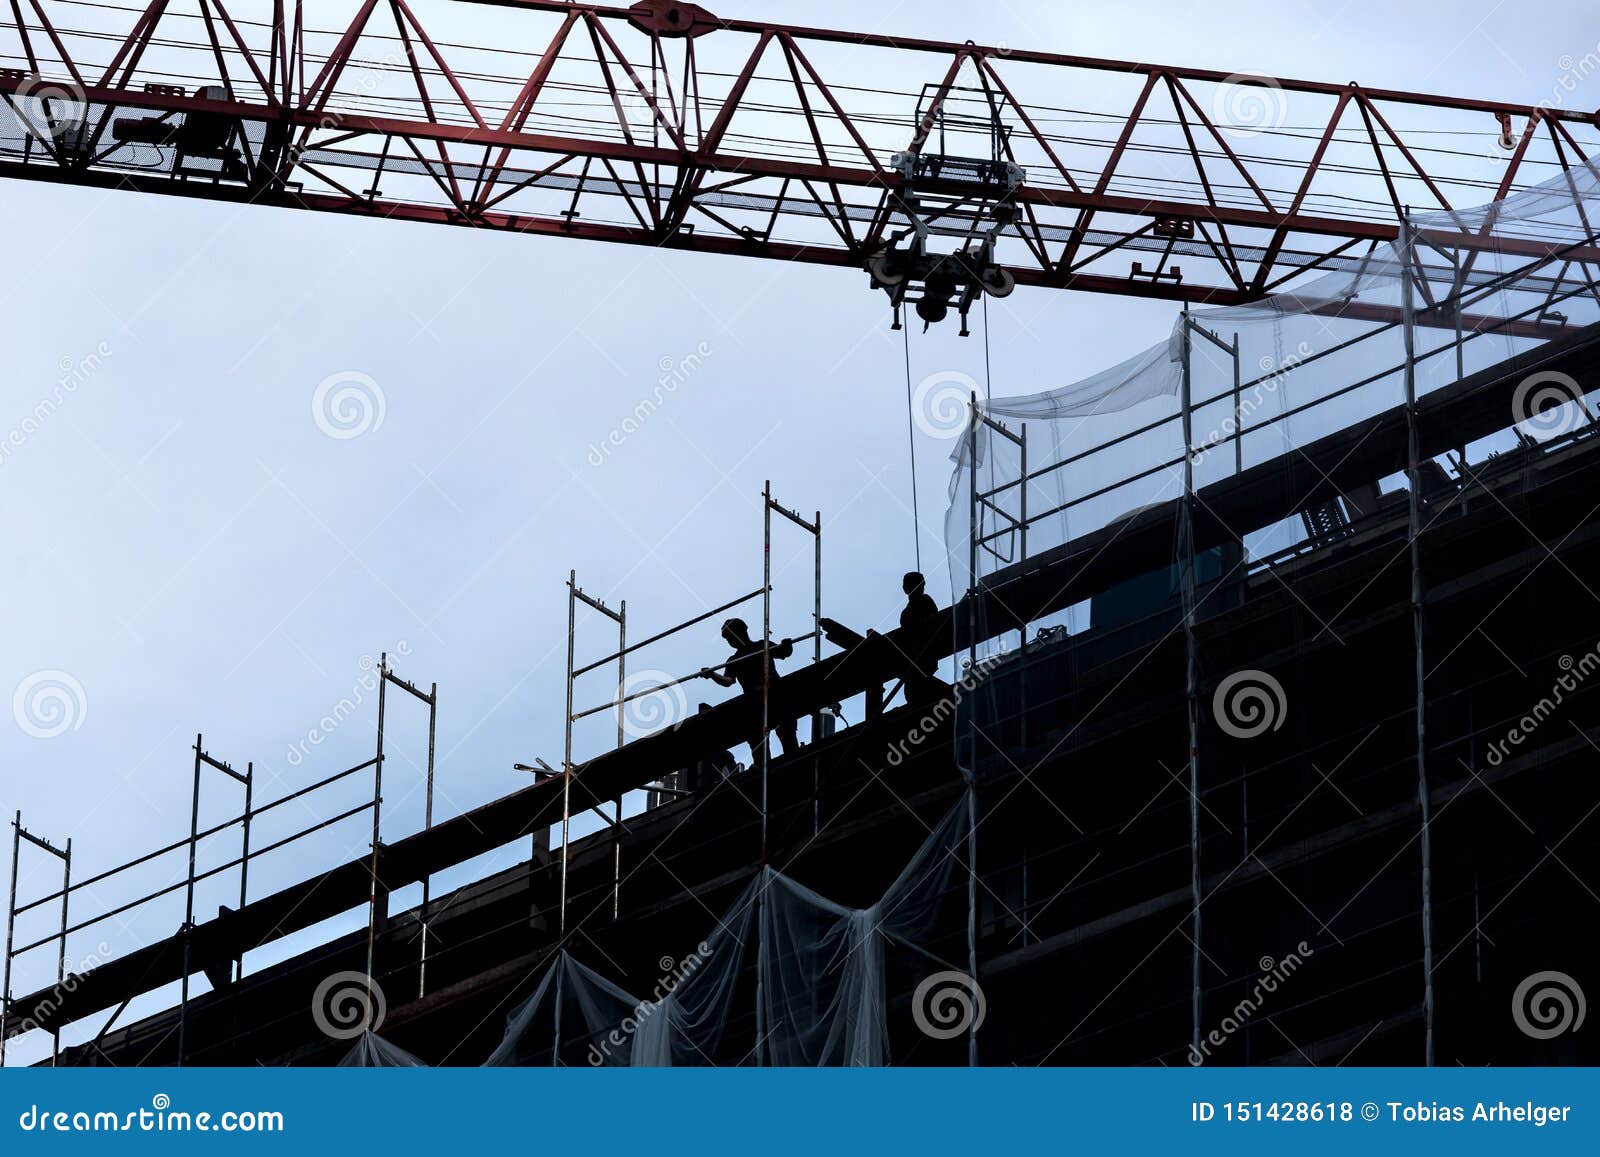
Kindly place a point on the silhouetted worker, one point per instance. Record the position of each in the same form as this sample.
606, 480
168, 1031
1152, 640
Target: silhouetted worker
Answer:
747, 670
917, 623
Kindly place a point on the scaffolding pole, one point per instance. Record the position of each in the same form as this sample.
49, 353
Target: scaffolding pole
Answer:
1414, 484
11, 931
620, 618
201, 761
812, 527
375, 894
20, 835
1191, 672
972, 727
430, 697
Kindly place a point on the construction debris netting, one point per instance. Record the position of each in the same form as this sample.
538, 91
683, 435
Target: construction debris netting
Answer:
1488, 283
820, 997
371, 1051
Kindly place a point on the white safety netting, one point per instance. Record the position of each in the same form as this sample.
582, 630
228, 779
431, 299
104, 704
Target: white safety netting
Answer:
571, 1009
824, 966
822, 978
1486, 284
371, 1051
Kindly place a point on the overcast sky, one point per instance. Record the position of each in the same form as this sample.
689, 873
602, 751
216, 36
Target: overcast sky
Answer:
197, 554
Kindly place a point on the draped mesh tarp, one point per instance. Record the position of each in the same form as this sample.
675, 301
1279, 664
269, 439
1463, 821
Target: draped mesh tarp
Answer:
824, 966
1488, 283
571, 1010
822, 972
371, 1051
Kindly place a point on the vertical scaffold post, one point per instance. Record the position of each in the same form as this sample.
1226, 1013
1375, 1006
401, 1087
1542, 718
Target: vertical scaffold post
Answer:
622, 690
766, 654
376, 896
1414, 483
203, 760
11, 929
427, 824
766, 679
1238, 417
816, 657
19, 834
566, 755
188, 908
813, 527
244, 852
1022, 554
1191, 672
972, 729
561, 974
619, 617
386, 676
61, 946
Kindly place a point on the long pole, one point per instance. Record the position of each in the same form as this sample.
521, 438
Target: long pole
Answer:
766, 653
816, 657
766, 674
188, 909
427, 823
1414, 483
1238, 418
244, 857
11, 929
1191, 674
1022, 554
566, 757
61, 948
972, 730
377, 818
616, 829
561, 973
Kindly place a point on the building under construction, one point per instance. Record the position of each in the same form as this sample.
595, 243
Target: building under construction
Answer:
1262, 724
